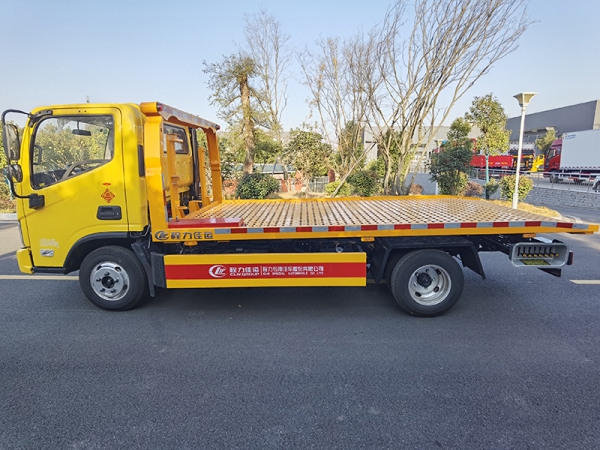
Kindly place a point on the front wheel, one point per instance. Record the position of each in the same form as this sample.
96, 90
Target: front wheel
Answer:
113, 278
426, 282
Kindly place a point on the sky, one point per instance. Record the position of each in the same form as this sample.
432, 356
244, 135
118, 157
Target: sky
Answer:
132, 51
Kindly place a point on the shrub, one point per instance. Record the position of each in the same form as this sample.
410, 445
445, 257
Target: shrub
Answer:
343, 192
452, 183
473, 190
6, 204
363, 183
507, 187
450, 166
490, 188
256, 186
377, 166
415, 189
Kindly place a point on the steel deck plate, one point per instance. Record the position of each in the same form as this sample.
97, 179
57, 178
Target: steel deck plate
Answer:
363, 211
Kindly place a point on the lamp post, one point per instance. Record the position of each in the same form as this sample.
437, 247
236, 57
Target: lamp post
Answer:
523, 98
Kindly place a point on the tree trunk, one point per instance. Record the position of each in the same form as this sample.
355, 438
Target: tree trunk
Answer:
248, 126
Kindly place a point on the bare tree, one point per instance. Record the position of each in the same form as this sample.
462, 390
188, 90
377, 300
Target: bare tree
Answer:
449, 46
268, 47
337, 74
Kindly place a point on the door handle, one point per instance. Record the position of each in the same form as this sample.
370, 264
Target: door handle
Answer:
36, 201
109, 213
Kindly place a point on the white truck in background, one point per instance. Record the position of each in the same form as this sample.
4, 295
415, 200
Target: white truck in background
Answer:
576, 156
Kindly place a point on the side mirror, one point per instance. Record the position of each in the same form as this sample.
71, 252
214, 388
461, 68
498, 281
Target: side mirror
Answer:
11, 142
16, 172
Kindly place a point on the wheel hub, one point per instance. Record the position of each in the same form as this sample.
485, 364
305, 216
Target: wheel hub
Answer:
424, 279
109, 281
429, 285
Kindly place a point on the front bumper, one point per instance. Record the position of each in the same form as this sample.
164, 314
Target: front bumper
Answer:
24, 260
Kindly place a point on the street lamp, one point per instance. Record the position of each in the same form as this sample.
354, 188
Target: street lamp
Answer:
523, 98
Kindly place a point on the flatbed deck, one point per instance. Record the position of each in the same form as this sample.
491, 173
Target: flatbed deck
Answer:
374, 216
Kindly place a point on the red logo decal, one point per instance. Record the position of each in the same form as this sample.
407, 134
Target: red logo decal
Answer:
217, 271
107, 196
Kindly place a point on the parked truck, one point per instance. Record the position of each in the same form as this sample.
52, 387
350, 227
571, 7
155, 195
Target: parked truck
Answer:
575, 157
527, 157
126, 195
507, 163
496, 162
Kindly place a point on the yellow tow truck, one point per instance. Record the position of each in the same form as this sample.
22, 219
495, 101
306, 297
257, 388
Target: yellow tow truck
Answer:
125, 194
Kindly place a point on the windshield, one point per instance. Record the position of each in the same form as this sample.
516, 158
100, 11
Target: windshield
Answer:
66, 146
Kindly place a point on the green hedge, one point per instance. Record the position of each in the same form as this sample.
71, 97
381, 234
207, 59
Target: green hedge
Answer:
363, 183
256, 186
343, 192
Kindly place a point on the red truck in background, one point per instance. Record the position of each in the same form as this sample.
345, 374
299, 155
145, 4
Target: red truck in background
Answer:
576, 157
494, 162
530, 162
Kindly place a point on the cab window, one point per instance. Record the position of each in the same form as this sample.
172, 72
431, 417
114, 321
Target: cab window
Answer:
66, 146
180, 147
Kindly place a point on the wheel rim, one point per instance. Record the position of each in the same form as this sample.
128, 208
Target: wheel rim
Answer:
109, 281
429, 285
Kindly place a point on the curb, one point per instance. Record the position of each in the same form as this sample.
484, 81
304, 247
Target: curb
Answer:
9, 217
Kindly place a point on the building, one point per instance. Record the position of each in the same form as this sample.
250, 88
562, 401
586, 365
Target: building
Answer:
581, 117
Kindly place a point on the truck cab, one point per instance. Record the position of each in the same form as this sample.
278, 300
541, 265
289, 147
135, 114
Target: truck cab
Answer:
81, 176
552, 158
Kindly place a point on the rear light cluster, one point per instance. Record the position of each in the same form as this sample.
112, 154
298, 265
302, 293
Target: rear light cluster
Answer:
525, 254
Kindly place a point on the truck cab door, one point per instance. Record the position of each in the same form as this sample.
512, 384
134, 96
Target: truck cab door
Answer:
73, 173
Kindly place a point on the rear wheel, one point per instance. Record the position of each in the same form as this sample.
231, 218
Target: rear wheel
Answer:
426, 282
393, 260
113, 278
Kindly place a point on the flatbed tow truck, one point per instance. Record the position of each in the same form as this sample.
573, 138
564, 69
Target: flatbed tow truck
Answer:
125, 194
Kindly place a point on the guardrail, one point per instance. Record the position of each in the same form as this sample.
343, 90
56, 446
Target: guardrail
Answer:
583, 182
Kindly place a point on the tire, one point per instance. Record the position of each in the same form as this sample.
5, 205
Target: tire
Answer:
392, 261
427, 283
113, 278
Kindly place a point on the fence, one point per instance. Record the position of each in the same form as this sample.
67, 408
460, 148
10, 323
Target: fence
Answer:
581, 182
318, 184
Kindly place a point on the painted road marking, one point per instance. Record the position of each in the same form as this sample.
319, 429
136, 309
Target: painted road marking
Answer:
39, 277
585, 281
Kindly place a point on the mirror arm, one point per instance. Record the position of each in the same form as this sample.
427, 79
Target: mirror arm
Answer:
18, 111
11, 183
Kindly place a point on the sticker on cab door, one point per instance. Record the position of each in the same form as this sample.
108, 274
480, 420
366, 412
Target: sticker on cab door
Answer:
107, 195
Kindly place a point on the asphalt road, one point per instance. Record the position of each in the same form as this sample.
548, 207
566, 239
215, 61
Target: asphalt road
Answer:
516, 364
